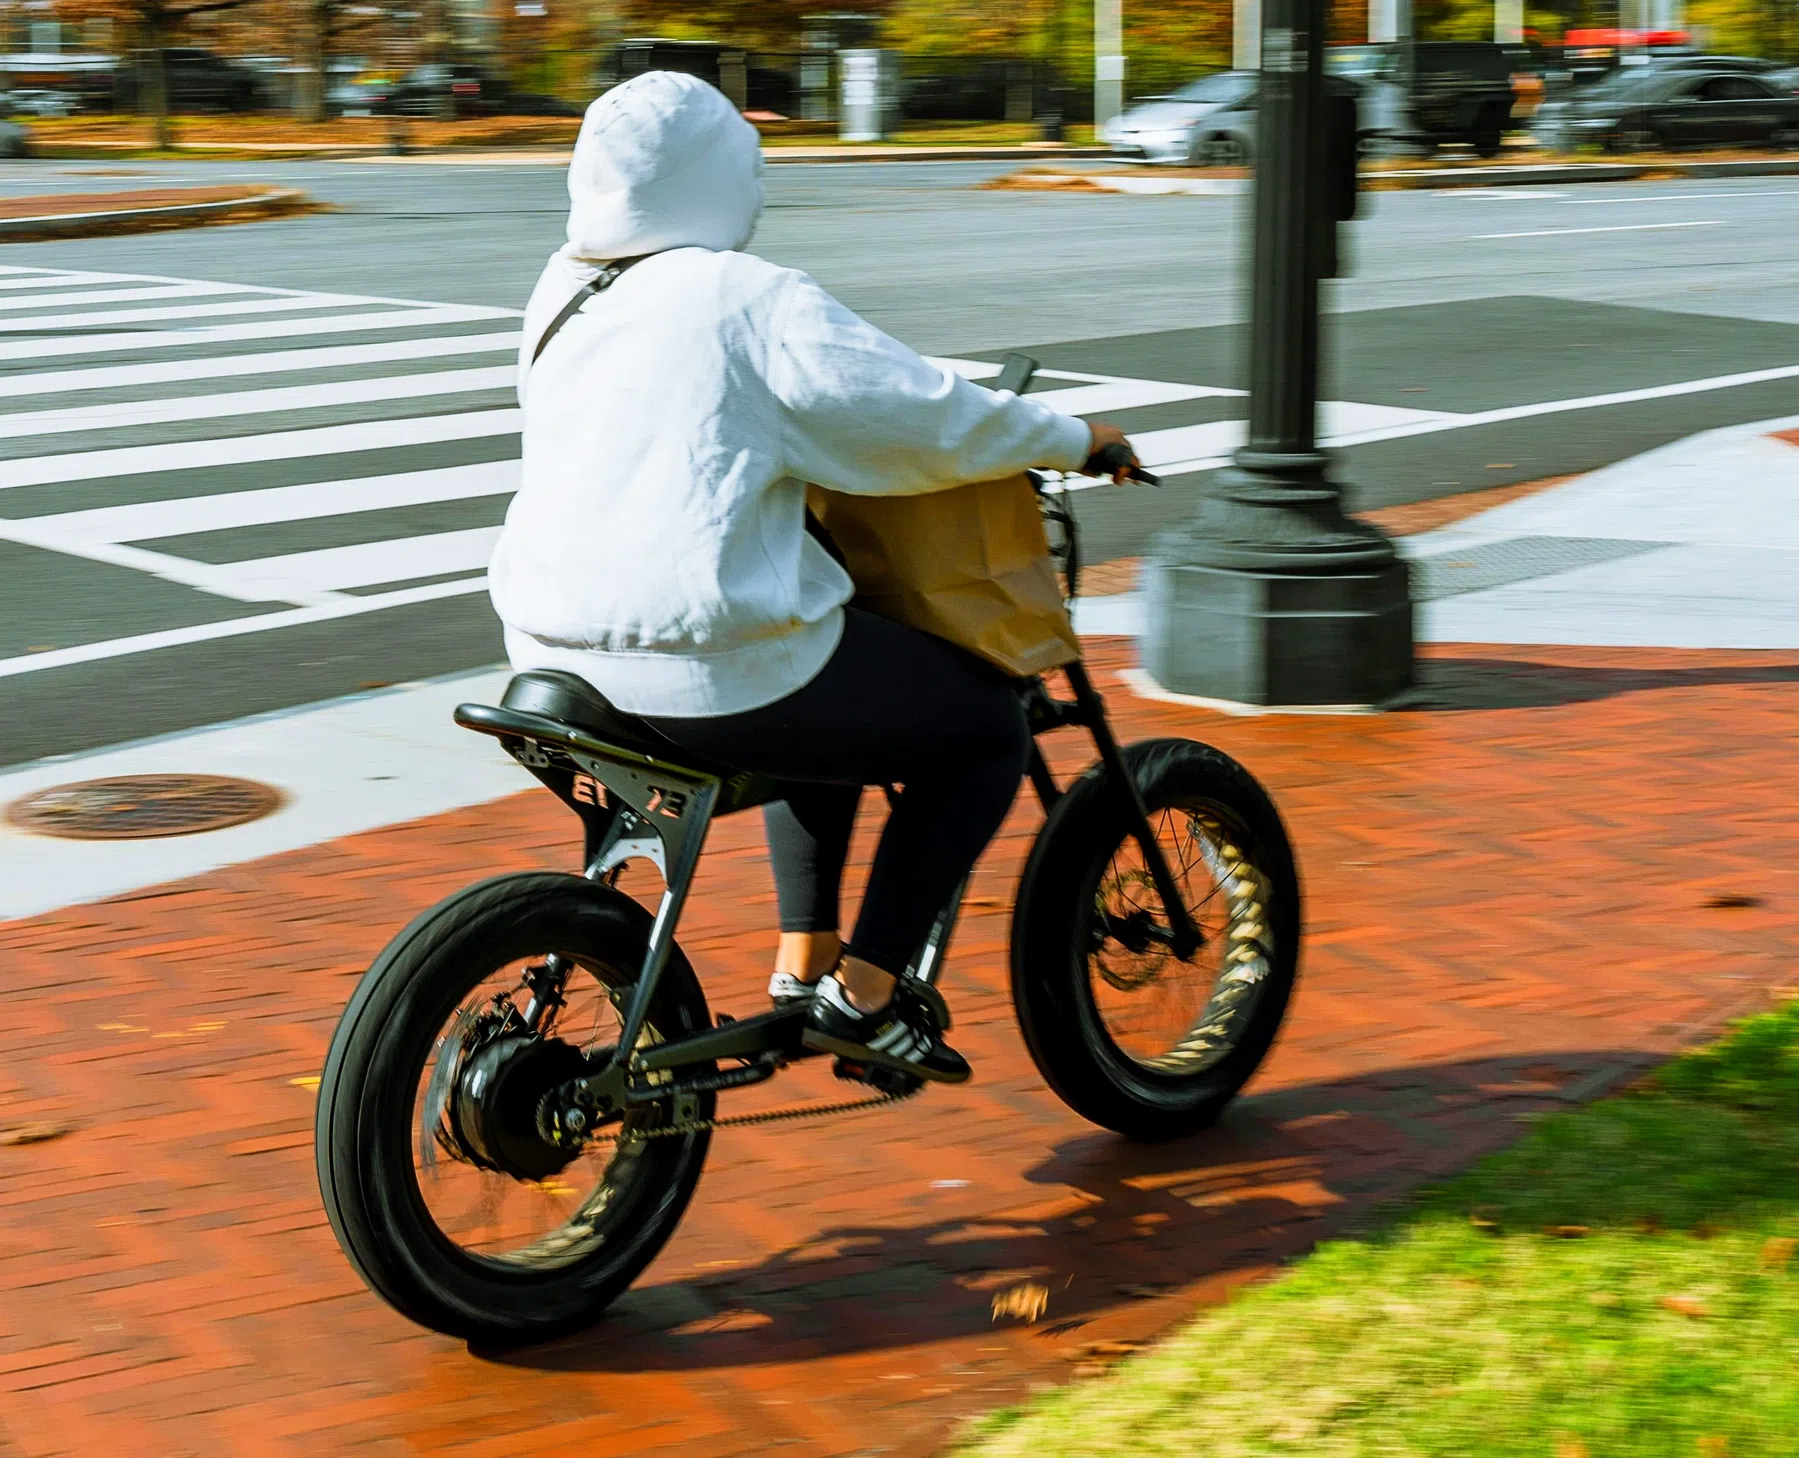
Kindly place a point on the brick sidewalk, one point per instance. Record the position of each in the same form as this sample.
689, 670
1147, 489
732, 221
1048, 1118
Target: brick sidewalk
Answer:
1517, 894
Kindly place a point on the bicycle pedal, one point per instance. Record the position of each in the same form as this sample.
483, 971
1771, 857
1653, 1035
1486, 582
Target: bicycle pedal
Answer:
889, 1081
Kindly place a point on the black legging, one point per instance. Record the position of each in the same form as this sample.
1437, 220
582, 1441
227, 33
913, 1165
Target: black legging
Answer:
892, 707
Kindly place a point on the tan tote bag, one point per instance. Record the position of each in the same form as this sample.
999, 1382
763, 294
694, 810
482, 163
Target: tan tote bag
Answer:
970, 564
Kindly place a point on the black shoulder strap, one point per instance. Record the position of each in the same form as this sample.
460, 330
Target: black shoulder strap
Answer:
601, 281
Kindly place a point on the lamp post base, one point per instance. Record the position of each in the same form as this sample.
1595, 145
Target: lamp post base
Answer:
1274, 597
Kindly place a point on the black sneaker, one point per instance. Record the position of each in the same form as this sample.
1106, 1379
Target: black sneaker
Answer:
787, 991
905, 1035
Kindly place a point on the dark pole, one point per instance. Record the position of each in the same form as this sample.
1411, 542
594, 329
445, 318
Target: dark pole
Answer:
1273, 595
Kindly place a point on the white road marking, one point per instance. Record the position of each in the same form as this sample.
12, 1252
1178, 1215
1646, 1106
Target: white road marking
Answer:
300, 575
1123, 395
201, 576
1616, 228
233, 403
150, 520
274, 362
107, 317
421, 318
1687, 196
117, 296
346, 607
285, 445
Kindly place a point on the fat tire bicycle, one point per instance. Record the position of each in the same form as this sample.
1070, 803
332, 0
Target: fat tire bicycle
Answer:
519, 1098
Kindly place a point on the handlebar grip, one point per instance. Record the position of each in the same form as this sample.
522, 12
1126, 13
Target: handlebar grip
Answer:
1109, 460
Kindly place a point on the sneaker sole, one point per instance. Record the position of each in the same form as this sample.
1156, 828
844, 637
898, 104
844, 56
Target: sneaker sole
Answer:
862, 1053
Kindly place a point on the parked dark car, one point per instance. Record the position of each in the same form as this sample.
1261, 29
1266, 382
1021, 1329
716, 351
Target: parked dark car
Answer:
193, 80
1639, 109
447, 89
1448, 91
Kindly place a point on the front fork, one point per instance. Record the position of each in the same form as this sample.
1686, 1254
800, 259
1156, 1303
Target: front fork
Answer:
1088, 710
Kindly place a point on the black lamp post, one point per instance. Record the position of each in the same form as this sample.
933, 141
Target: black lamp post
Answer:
1272, 595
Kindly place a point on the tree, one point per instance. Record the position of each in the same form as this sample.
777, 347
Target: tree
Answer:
153, 25
323, 23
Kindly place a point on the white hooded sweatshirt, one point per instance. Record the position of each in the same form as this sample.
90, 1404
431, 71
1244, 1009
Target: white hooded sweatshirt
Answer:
657, 545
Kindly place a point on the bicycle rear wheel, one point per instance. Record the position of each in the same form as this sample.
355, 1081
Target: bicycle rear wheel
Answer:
1126, 1033
438, 1180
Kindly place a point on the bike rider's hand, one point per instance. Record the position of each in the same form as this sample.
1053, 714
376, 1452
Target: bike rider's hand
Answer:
1105, 438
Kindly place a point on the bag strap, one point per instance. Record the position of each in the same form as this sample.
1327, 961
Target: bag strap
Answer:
603, 280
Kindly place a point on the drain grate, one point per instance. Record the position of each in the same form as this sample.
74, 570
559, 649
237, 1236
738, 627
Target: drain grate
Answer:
142, 807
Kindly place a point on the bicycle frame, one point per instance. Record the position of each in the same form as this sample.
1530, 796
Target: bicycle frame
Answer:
633, 805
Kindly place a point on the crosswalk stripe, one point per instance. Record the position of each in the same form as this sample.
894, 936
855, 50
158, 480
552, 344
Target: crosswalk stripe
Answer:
285, 445
300, 575
148, 520
118, 296
273, 362
1124, 395
234, 403
65, 280
347, 607
106, 317
419, 318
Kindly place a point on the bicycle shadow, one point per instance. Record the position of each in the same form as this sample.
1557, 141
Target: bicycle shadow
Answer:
1516, 683
1132, 1238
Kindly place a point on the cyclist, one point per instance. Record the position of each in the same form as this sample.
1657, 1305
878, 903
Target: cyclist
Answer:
658, 548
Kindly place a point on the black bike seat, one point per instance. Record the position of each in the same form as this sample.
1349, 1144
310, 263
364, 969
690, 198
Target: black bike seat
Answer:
571, 699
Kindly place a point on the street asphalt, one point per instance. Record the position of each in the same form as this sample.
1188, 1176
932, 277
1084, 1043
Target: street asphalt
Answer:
151, 509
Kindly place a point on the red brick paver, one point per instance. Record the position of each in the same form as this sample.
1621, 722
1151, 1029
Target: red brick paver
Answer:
1518, 892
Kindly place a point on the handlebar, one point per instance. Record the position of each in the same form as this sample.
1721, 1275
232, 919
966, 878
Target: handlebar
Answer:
1110, 460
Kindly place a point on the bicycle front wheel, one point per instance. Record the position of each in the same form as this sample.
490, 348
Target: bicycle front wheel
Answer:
1127, 1034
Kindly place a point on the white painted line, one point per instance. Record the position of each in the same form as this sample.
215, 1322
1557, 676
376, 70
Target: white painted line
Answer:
286, 445
232, 403
61, 280
1124, 395
148, 520
346, 607
1689, 196
279, 292
421, 318
274, 362
201, 576
1402, 430
343, 767
1617, 228
117, 296
300, 575
107, 317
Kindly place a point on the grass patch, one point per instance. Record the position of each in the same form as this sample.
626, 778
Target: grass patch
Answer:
1622, 1282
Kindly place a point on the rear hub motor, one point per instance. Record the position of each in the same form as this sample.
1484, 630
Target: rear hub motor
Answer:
495, 1105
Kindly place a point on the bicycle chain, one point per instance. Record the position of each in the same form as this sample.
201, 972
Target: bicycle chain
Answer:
739, 1121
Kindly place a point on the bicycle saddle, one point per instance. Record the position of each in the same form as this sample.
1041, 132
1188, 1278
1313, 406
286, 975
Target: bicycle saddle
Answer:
572, 700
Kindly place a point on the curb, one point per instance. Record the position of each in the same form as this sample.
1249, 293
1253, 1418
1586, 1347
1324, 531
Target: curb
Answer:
62, 225
1442, 178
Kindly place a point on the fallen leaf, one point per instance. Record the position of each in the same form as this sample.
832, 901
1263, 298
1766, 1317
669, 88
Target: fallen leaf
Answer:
1569, 1232
1112, 1349
1091, 1369
41, 1132
1570, 1448
1027, 1301
1777, 1250
308, 1081
1685, 1305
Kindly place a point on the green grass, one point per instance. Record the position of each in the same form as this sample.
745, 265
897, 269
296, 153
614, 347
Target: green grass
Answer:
1663, 1320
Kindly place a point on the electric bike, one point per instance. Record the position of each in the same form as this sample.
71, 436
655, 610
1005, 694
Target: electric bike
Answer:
519, 1098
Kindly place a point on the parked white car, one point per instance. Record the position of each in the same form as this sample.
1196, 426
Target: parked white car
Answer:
1168, 129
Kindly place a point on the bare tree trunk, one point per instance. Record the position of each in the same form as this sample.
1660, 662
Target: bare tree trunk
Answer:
318, 48
155, 80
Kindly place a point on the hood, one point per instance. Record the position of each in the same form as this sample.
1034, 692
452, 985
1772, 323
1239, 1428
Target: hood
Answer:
663, 161
1166, 115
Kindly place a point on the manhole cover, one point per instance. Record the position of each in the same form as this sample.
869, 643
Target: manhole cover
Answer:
140, 807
